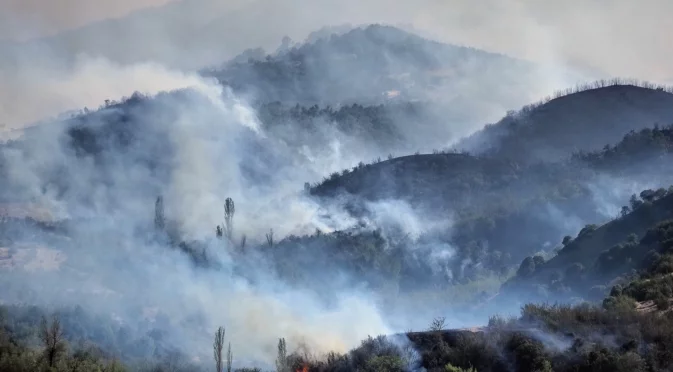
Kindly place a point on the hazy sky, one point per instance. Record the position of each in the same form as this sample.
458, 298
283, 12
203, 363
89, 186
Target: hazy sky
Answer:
622, 37
24, 19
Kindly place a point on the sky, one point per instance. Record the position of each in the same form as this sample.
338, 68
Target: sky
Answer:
68, 54
26, 19
621, 37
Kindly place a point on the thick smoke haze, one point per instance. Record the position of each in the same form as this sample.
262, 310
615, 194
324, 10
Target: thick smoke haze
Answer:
198, 33
195, 142
34, 94
608, 36
27, 19
203, 135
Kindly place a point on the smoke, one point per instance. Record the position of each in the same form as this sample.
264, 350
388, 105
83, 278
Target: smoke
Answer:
611, 193
39, 93
201, 143
594, 34
110, 59
26, 19
196, 147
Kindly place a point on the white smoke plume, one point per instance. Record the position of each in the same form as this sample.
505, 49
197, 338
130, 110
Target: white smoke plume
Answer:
202, 135
35, 94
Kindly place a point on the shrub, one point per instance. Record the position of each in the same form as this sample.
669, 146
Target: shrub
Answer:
588, 229
661, 301
385, 363
451, 368
619, 303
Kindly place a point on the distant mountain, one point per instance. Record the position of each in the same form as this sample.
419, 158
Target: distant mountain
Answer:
375, 64
338, 65
445, 91
179, 34
585, 119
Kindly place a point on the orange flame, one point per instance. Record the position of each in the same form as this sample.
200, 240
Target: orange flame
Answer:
303, 369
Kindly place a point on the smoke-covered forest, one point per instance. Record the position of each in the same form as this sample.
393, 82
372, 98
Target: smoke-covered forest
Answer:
367, 199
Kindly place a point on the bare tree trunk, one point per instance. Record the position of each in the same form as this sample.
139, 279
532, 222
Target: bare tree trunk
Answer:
269, 238
51, 336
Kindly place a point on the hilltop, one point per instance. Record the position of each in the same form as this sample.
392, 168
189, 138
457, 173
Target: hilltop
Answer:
490, 199
374, 64
582, 119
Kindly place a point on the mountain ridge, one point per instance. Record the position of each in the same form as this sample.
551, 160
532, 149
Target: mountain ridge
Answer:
582, 119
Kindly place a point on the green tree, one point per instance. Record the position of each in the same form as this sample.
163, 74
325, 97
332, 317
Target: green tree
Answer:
159, 217
229, 210
218, 345
451, 368
230, 358
282, 364
385, 363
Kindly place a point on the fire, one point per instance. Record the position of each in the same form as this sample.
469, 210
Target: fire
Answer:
303, 369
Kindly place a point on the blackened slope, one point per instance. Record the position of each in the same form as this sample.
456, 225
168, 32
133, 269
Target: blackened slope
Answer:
583, 121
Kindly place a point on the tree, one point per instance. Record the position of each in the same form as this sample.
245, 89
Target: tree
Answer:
538, 260
451, 368
385, 363
632, 238
438, 324
159, 217
624, 211
51, 336
526, 268
586, 230
230, 358
229, 211
269, 238
281, 360
648, 195
635, 202
218, 345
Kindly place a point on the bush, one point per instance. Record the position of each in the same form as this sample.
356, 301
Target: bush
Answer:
385, 363
661, 302
451, 368
587, 230
619, 303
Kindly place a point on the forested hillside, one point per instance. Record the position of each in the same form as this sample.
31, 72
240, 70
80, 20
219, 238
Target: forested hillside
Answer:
369, 65
285, 206
584, 119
